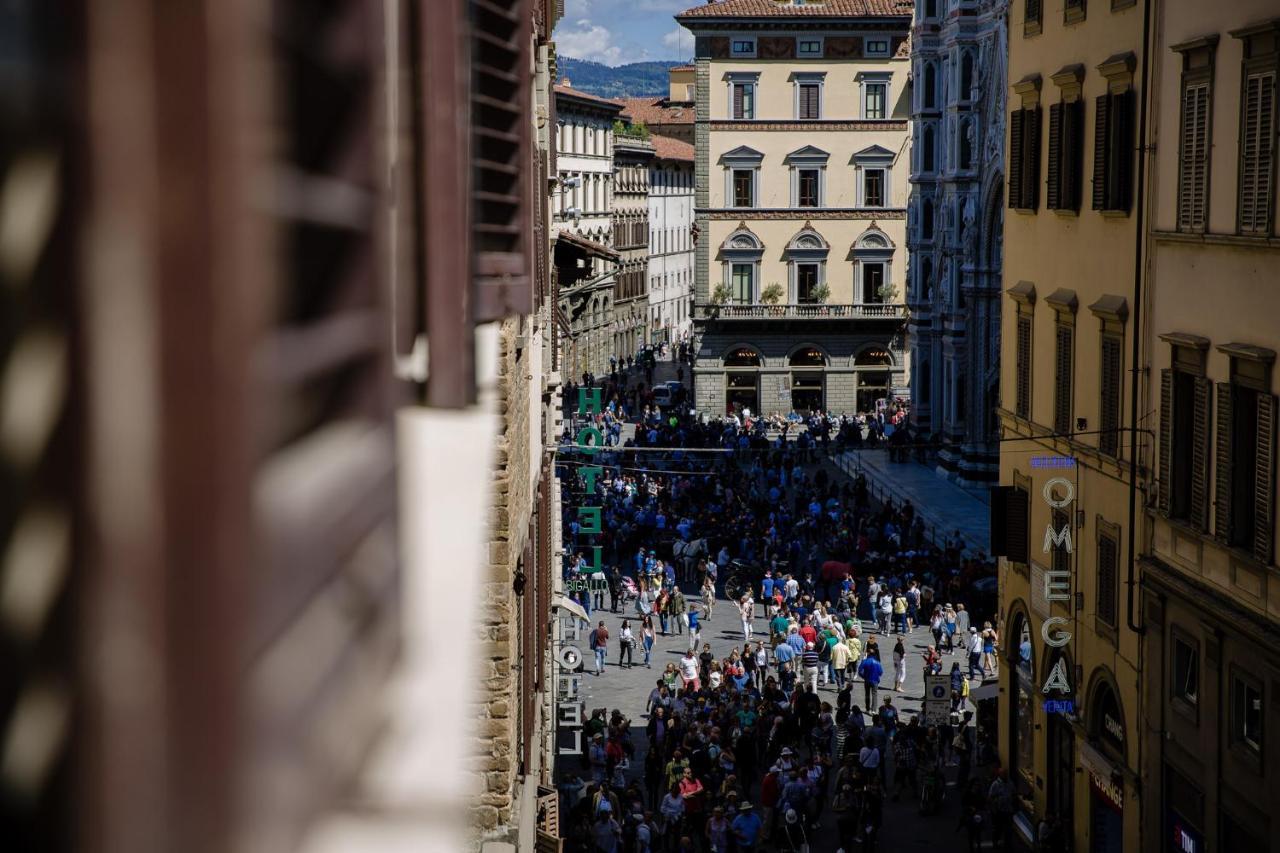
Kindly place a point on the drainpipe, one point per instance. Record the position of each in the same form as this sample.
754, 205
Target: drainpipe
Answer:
1138, 260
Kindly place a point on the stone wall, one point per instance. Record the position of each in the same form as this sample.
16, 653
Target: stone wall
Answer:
498, 629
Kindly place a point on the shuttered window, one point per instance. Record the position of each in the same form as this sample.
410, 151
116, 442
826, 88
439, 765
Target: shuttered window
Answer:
1113, 151
1023, 368
1245, 466
808, 100
1193, 156
1054, 167
1257, 152
1032, 13
1024, 159
1185, 400
1107, 587
1109, 396
1063, 361
1073, 11
1063, 169
743, 100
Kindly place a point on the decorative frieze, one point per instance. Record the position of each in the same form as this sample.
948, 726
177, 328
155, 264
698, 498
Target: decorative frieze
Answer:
811, 213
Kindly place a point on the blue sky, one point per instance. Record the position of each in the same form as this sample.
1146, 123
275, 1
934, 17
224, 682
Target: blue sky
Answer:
616, 32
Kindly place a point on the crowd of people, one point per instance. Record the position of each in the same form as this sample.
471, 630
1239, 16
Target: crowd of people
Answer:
749, 750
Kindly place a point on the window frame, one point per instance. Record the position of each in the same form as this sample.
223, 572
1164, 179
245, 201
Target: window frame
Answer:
802, 40
751, 173
1107, 535
1189, 707
753, 269
1199, 59
800, 86
1032, 17
1024, 355
1236, 738
1074, 11
1254, 64
736, 41
748, 100
799, 186
867, 52
880, 84
865, 174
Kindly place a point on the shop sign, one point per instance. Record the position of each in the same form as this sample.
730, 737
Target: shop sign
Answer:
1185, 839
1053, 462
1057, 587
569, 728
1111, 793
1102, 775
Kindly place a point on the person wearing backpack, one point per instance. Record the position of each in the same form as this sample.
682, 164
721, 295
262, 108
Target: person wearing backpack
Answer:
600, 645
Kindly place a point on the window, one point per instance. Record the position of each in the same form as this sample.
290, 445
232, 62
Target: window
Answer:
1184, 436
1113, 151
1066, 141
743, 47
1108, 591
1244, 493
873, 187
1024, 158
873, 282
1257, 133
966, 75
808, 101
1073, 11
744, 186
877, 47
1063, 361
929, 97
1185, 668
809, 48
1031, 17
1246, 713
1193, 137
1109, 392
927, 150
807, 279
744, 100
874, 98
1023, 368
926, 220
742, 283
807, 188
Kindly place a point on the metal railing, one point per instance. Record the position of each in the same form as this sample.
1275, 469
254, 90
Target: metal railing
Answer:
804, 311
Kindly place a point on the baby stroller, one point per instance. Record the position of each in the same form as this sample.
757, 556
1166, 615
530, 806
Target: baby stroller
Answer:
628, 589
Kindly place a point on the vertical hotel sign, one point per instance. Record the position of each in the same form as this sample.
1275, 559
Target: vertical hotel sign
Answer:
589, 517
1057, 584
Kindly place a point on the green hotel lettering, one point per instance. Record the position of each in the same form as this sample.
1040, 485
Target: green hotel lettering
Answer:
589, 516
1057, 587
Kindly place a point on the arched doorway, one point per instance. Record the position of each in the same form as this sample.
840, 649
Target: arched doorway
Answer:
872, 367
1060, 757
1106, 781
1022, 691
808, 385
742, 380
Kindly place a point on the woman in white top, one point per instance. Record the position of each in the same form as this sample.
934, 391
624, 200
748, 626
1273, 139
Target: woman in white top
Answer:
748, 610
762, 664
708, 596
626, 643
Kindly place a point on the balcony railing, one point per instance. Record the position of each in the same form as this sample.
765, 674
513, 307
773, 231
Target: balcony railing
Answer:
816, 311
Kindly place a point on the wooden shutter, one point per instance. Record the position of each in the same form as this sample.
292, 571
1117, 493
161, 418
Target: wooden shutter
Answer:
1264, 480
1200, 454
1193, 157
1054, 169
1062, 380
500, 140
1023, 378
1031, 159
1033, 10
1166, 439
1106, 592
1101, 121
1222, 467
808, 101
1109, 404
1072, 144
1015, 159
738, 100
1120, 173
1257, 138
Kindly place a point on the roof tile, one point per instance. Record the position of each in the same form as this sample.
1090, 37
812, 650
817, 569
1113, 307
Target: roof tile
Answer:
810, 9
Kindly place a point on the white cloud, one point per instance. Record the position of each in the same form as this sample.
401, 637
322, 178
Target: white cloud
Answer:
588, 40
680, 42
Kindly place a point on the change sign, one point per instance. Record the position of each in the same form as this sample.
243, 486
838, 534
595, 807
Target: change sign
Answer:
937, 700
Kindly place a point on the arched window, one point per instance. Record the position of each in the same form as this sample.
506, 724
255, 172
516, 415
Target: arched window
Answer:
1022, 697
930, 99
808, 357
966, 75
743, 357
873, 357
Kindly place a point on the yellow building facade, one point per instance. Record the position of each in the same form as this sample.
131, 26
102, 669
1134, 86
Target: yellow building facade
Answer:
1069, 712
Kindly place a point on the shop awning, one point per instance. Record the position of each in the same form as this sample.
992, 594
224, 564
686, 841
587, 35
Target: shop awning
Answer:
565, 603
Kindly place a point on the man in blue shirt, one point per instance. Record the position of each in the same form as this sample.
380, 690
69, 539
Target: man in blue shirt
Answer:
871, 671
746, 827
783, 654
766, 588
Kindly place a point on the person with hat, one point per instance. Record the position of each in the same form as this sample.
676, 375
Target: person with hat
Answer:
975, 653
746, 827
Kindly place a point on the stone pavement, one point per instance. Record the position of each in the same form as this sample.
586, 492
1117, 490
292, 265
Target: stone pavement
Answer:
628, 689
944, 506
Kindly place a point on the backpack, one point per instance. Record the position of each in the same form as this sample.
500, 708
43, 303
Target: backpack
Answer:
824, 653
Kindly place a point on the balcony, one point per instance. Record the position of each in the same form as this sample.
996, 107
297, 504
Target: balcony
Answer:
804, 311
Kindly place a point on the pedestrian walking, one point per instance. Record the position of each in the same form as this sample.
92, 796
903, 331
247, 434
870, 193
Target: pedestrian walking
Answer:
647, 638
899, 665
600, 645
747, 608
626, 644
871, 671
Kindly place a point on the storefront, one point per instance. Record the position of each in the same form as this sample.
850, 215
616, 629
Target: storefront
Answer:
742, 380
807, 374
1103, 759
1183, 813
1022, 693
873, 369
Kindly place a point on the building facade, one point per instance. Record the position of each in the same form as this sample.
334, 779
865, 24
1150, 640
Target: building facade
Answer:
1211, 659
632, 161
582, 204
670, 116
802, 153
1070, 700
955, 227
671, 252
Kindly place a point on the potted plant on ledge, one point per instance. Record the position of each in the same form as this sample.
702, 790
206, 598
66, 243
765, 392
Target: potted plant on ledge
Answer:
771, 296
719, 296
819, 295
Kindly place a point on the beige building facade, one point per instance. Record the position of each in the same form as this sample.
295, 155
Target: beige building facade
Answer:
1212, 593
1069, 714
632, 158
802, 183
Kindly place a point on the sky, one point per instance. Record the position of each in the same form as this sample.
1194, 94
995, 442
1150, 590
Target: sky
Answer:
616, 32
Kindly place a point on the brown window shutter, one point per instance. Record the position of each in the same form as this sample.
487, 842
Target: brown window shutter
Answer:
1053, 170
1033, 10
1120, 177
1106, 592
1222, 467
1166, 438
1023, 377
1193, 157
1015, 159
1102, 113
1031, 159
737, 100
1072, 159
1200, 454
1062, 380
1264, 480
1109, 405
1257, 140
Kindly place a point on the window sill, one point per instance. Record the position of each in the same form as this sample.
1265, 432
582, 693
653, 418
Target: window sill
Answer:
1114, 214
1071, 213
1211, 238
1031, 28
1073, 16
1187, 710
1108, 632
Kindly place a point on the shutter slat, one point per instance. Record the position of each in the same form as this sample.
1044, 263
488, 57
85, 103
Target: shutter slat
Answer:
1101, 114
1024, 367
1109, 407
1222, 466
1054, 169
1106, 592
1166, 439
1015, 159
1120, 179
737, 100
1031, 159
1062, 381
1264, 479
1074, 136
1200, 454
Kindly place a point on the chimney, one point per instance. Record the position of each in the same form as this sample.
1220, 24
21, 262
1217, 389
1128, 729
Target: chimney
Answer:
564, 81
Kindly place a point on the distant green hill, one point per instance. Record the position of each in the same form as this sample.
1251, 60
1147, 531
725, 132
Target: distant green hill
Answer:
634, 80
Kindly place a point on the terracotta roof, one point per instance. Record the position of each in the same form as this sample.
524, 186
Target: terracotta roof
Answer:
656, 111
810, 9
587, 96
682, 68
667, 148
